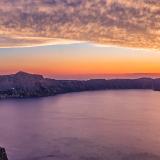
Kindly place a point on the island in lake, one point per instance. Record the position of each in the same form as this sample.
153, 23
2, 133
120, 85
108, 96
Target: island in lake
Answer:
25, 85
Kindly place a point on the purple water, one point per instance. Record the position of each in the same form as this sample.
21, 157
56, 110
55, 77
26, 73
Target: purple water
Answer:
100, 125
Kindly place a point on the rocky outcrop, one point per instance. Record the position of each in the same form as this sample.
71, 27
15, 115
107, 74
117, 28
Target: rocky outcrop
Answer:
22, 85
3, 155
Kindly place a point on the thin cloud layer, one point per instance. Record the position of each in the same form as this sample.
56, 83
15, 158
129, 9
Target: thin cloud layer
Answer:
130, 23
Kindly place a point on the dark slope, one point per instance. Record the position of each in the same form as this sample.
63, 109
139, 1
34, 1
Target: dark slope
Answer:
3, 155
23, 84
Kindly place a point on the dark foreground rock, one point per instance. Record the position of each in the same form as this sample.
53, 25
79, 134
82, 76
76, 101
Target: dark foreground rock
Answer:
23, 85
3, 155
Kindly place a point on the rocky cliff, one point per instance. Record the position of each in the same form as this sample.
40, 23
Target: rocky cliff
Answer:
3, 155
23, 85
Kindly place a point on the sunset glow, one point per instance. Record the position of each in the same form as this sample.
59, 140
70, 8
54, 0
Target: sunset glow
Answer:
79, 59
77, 37
128, 23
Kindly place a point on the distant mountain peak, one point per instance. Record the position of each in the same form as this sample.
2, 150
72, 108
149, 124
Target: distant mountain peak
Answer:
25, 74
22, 73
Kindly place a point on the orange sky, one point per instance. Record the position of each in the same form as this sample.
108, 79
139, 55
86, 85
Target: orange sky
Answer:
78, 59
67, 37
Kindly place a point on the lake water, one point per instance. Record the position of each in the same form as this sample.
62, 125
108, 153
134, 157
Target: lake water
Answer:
99, 125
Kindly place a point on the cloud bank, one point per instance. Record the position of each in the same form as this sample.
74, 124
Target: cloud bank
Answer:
130, 23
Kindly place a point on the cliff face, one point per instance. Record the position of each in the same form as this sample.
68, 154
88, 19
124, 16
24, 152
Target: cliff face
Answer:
156, 84
3, 155
23, 84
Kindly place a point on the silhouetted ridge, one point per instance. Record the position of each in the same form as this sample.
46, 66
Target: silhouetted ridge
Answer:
25, 74
24, 84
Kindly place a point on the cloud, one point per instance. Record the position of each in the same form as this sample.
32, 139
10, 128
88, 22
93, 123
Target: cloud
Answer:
129, 23
18, 42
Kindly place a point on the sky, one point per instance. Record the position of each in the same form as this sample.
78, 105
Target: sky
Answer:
78, 60
64, 38
131, 23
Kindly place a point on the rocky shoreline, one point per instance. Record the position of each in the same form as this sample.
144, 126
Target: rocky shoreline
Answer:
25, 85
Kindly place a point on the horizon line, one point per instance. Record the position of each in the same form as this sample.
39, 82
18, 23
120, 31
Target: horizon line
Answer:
85, 74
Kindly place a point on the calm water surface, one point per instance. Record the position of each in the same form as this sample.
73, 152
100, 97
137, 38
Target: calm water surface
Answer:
100, 125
